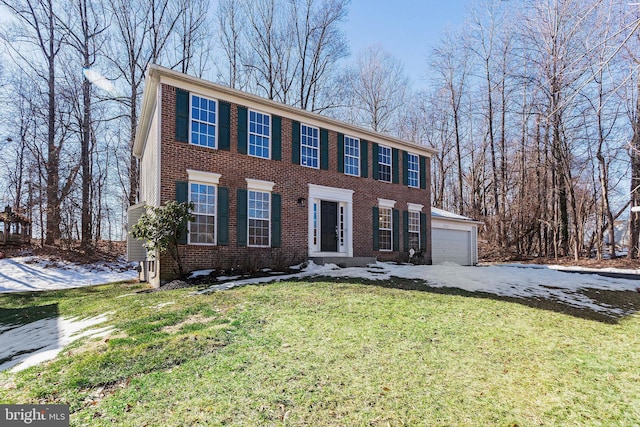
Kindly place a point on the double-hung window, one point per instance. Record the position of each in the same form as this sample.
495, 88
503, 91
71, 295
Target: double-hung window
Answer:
203, 197
203, 121
351, 156
385, 228
413, 170
259, 134
309, 146
259, 218
414, 230
384, 163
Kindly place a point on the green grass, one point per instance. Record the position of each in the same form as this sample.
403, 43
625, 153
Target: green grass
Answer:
325, 354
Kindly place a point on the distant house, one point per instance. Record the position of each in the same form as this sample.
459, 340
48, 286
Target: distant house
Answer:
275, 184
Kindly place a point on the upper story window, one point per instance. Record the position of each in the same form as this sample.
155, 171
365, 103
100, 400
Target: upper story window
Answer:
259, 134
202, 230
203, 121
384, 163
259, 218
309, 146
413, 170
351, 156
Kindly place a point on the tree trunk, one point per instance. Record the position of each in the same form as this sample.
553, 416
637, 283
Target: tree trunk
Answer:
53, 200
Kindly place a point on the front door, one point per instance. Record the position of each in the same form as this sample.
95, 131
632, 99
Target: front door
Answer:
328, 226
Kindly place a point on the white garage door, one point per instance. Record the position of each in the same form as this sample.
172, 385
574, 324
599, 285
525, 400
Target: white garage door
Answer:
451, 246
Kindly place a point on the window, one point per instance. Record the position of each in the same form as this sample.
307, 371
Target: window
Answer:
385, 230
203, 121
309, 146
202, 230
351, 156
384, 163
414, 230
259, 218
259, 134
315, 224
341, 225
413, 170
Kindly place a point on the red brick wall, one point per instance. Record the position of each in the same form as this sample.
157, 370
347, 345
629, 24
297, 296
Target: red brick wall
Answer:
290, 181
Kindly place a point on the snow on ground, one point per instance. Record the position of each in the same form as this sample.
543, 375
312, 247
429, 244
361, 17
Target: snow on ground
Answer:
510, 280
34, 274
46, 338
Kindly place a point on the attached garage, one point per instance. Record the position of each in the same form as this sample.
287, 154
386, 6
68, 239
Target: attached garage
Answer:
454, 238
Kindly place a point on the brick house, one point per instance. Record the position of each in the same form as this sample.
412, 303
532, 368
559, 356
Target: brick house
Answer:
274, 185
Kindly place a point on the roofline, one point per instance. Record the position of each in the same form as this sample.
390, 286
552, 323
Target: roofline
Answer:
157, 74
460, 220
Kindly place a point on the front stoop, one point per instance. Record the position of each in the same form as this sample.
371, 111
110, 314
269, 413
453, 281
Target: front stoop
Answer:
343, 261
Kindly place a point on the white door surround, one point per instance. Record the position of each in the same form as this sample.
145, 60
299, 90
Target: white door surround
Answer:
344, 198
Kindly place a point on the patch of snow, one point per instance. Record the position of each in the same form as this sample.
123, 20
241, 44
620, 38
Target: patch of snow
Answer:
225, 278
510, 280
46, 338
25, 274
435, 212
200, 273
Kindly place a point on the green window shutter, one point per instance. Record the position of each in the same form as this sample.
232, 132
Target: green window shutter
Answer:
182, 196
242, 130
405, 230
276, 137
364, 158
224, 126
405, 168
396, 230
276, 220
423, 231
295, 142
182, 115
341, 153
324, 149
242, 217
394, 164
423, 172
223, 216
376, 228
376, 164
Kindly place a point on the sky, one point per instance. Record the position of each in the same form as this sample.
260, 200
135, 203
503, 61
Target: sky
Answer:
408, 29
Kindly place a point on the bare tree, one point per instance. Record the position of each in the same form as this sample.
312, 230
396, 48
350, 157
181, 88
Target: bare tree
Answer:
38, 28
379, 88
85, 28
142, 30
451, 64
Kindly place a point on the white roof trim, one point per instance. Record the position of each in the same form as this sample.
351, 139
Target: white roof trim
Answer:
440, 214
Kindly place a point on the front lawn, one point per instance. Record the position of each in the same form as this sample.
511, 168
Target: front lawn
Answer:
322, 354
